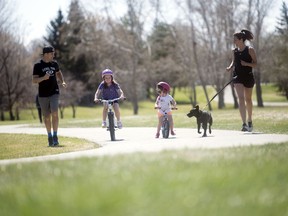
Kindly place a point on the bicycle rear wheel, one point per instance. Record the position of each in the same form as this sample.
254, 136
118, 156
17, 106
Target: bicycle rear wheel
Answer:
111, 125
165, 129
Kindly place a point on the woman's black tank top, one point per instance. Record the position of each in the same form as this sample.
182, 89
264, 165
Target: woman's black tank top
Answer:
244, 55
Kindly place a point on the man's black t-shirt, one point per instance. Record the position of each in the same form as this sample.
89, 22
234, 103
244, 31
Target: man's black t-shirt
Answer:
48, 87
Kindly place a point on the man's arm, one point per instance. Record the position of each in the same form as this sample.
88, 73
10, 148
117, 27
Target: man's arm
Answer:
61, 78
37, 79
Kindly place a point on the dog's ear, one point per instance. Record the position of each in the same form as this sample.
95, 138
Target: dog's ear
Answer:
197, 107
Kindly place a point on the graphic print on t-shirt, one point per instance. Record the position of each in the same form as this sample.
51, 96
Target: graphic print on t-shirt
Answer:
49, 70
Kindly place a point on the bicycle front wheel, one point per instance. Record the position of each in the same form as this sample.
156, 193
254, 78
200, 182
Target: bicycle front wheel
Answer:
111, 125
165, 128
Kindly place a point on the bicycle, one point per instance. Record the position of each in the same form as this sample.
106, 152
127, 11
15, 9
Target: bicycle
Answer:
165, 126
111, 123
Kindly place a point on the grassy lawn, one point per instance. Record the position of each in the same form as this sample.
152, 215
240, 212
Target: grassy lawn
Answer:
237, 181
20, 146
234, 181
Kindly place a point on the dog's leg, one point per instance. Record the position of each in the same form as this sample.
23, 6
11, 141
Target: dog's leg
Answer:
204, 125
199, 126
210, 124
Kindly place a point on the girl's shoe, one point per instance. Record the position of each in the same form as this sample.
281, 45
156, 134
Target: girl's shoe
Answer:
157, 135
104, 125
173, 133
119, 124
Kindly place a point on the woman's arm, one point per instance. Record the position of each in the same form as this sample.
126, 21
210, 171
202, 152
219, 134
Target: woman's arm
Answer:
228, 69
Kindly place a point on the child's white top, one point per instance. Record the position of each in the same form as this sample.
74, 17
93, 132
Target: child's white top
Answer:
164, 102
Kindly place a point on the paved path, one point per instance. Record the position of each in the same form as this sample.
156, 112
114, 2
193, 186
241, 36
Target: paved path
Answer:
131, 140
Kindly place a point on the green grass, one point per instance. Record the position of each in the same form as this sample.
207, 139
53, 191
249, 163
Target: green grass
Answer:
20, 146
238, 181
271, 94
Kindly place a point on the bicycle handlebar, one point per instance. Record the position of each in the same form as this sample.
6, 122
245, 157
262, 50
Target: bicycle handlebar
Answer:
111, 100
173, 108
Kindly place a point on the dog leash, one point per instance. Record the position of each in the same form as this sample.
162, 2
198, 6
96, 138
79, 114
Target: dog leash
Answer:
220, 91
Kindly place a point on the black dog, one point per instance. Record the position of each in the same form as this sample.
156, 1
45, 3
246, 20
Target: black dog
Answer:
203, 117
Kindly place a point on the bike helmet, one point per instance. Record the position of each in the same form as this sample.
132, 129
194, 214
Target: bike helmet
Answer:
163, 86
107, 72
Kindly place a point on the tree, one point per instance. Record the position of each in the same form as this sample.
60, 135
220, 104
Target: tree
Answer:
261, 10
164, 65
280, 59
126, 41
14, 73
14, 69
210, 22
76, 59
55, 36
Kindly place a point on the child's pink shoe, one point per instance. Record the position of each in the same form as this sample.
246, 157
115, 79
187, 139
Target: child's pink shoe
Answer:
173, 133
157, 135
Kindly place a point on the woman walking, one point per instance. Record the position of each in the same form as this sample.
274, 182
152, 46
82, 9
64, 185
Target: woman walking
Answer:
243, 62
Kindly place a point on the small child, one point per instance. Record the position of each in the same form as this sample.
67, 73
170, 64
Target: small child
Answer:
163, 104
107, 90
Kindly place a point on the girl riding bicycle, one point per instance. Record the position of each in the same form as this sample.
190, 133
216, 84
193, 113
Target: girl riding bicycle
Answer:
163, 104
107, 90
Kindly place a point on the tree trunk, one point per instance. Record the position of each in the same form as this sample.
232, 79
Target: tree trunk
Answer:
221, 103
135, 107
2, 115
73, 111
193, 95
17, 113
258, 88
12, 117
61, 112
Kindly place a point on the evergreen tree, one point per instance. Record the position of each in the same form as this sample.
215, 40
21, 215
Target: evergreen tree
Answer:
164, 55
55, 36
77, 60
283, 21
282, 52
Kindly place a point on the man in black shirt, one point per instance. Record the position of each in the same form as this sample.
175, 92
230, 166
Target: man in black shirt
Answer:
46, 72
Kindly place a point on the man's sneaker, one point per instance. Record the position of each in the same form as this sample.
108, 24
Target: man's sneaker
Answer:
119, 124
244, 127
173, 133
50, 142
157, 135
250, 126
104, 125
55, 140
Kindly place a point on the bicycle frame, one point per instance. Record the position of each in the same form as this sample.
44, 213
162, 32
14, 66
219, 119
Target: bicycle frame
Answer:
111, 126
165, 126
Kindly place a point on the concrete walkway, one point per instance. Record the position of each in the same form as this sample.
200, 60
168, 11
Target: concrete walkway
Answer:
130, 140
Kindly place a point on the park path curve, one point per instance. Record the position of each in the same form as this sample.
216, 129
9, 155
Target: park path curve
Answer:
141, 139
